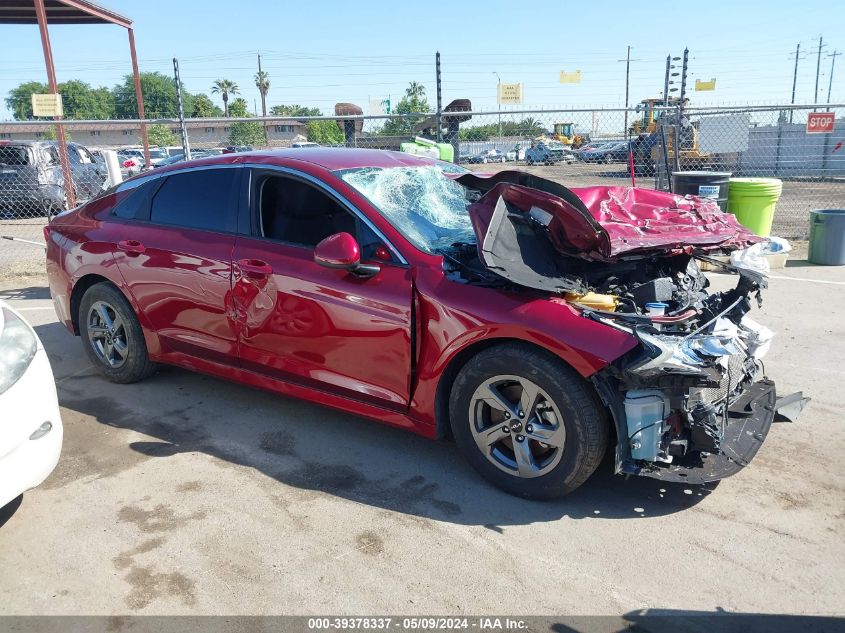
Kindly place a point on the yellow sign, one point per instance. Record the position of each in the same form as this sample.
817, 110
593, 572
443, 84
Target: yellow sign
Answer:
570, 78
47, 105
510, 93
705, 85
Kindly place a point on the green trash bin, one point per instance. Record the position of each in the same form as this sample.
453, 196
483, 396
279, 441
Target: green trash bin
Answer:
753, 200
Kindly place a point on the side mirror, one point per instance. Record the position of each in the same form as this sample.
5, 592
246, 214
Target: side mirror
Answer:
341, 251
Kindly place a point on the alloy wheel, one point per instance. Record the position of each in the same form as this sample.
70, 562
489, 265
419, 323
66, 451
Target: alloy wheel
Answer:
517, 426
107, 334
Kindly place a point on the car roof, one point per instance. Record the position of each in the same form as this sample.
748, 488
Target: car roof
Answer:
330, 158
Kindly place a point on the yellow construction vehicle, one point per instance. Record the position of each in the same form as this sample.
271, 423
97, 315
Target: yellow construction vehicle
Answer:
647, 123
565, 133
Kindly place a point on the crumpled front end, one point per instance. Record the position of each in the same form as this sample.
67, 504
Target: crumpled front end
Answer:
691, 402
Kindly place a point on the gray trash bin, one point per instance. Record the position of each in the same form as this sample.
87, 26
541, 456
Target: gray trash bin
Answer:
827, 237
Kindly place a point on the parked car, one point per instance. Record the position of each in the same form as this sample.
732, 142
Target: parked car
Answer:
31, 429
304, 144
157, 154
616, 152
494, 156
31, 179
195, 154
544, 153
232, 149
529, 321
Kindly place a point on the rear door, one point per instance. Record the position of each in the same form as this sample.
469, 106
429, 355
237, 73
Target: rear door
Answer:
320, 327
175, 254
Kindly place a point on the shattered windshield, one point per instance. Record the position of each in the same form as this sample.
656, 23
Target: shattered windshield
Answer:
425, 205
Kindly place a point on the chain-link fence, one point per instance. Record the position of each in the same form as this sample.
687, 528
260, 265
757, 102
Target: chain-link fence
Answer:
577, 147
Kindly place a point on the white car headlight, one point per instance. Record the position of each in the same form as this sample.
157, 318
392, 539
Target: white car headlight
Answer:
17, 348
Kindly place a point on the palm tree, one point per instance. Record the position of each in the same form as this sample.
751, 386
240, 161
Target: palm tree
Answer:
415, 91
262, 82
225, 87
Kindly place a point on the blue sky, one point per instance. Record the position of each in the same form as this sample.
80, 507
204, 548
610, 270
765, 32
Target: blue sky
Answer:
322, 52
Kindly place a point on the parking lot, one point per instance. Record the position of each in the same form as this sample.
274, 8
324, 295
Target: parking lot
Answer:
185, 494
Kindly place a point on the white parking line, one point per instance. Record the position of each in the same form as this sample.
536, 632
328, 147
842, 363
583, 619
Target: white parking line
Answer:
33, 309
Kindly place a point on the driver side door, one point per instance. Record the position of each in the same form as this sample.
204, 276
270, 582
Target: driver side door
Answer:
319, 327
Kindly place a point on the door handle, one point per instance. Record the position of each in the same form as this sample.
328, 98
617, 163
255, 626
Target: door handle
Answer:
131, 246
255, 267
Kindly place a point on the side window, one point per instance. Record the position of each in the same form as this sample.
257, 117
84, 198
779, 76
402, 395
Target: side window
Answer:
200, 199
298, 213
85, 156
73, 155
132, 203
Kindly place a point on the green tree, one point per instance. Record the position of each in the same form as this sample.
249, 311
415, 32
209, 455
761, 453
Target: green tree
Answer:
81, 101
225, 87
159, 93
161, 136
294, 111
203, 107
245, 132
413, 102
262, 82
19, 100
50, 134
325, 132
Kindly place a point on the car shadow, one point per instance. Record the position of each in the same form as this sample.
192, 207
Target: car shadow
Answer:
315, 448
23, 294
8, 510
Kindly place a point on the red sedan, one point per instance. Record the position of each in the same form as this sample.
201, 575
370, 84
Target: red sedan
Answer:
533, 323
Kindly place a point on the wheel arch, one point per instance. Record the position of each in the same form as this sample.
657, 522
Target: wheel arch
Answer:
78, 291
459, 359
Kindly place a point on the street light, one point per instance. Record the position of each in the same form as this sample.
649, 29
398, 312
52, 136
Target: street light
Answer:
499, 100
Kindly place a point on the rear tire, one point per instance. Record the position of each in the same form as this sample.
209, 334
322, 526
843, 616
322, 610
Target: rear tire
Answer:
112, 336
557, 442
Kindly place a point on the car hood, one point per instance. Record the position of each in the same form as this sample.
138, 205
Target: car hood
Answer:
600, 223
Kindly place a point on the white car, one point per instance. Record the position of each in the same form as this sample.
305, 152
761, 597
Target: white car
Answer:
30, 424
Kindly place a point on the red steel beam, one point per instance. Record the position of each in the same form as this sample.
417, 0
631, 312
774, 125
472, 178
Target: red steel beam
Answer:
41, 14
139, 98
99, 12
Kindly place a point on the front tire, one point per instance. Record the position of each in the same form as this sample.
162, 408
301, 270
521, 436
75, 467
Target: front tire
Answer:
527, 421
112, 336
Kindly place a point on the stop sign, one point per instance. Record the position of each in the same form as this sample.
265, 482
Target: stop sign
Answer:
820, 122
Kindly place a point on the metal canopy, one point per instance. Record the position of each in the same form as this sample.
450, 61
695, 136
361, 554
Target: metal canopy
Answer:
50, 12
60, 12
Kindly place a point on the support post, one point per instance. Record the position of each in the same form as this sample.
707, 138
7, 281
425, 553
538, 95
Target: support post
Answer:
139, 98
186, 145
794, 78
67, 174
440, 101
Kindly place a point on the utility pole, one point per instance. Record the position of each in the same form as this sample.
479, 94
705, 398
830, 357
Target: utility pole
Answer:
666, 81
499, 100
795, 77
186, 146
263, 96
818, 70
439, 100
627, 85
833, 57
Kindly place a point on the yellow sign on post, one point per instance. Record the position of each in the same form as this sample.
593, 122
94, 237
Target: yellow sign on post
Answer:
705, 85
47, 105
570, 78
510, 93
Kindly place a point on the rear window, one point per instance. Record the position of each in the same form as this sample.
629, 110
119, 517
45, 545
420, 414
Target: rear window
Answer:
199, 199
12, 155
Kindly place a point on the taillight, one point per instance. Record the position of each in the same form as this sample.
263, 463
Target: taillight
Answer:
46, 232
129, 163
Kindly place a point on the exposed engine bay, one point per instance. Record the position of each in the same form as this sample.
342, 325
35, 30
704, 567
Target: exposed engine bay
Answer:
691, 402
